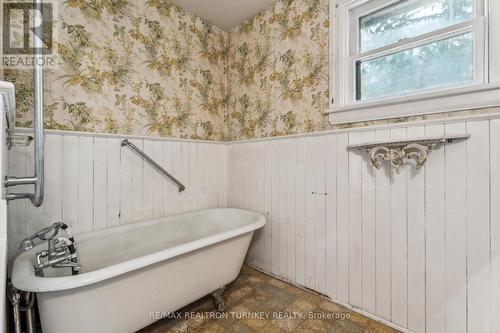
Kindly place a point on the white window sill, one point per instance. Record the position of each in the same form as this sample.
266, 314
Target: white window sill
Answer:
457, 99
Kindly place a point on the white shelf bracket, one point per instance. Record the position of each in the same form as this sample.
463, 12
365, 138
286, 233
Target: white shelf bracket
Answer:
398, 152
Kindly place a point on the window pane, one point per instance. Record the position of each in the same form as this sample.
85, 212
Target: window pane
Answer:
411, 18
446, 62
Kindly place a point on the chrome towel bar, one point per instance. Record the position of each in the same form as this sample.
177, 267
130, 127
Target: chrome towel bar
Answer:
153, 163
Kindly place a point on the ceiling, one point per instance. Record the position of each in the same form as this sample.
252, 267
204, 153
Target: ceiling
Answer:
225, 14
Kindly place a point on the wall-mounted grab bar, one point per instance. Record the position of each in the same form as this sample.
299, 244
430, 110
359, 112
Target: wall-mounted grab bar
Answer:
38, 180
153, 163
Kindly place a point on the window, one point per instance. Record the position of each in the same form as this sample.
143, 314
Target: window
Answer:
445, 62
391, 52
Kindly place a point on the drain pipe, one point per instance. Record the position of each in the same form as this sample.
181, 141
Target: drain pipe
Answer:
14, 297
27, 308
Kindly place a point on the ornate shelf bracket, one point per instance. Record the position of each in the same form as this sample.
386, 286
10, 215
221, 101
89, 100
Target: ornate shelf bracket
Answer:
398, 152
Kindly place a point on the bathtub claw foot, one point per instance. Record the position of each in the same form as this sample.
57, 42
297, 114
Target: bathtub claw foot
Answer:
218, 299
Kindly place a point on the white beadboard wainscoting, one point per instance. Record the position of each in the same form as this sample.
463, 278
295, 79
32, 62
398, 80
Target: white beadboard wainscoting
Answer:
92, 183
420, 249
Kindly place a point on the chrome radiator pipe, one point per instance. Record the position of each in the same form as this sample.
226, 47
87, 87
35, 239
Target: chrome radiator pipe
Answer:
37, 198
38, 179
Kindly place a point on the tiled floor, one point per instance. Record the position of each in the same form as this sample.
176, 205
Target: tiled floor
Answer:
266, 299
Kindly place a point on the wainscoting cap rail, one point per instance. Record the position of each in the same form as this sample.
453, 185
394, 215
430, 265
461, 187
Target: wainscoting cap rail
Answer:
400, 151
153, 163
420, 140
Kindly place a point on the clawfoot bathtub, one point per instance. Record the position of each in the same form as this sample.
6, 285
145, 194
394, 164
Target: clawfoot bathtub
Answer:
129, 272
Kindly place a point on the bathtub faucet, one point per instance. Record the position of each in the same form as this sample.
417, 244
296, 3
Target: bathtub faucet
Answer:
61, 251
60, 254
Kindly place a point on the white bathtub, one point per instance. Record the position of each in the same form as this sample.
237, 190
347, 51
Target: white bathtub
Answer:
130, 271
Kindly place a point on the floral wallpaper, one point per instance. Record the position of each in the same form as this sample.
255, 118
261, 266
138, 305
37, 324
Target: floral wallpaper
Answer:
278, 71
150, 68
132, 67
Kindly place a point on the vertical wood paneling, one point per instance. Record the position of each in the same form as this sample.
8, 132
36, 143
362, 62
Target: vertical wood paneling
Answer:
255, 199
342, 218
53, 181
319, 225
113, 182
300, 214
368, 237
331, 215
251, 194
169, 197
435, 238
416, 241
456, 231
233, 175
478, 228
291, 150
126, 158
275, 204
148, 186
70, 180
85, 184
240, 188
283, 213
495, 226
159, 181
383, 235
310, 213
399, 269
268, 188
242, 185
420, 248
185, 173
176, 165
355, 230
396, 245
205, 181
193, 177
261, 205
137, 190
221, 172
100, 184
213, 183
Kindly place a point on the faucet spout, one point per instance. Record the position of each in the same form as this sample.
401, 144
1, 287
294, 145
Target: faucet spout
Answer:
26, 244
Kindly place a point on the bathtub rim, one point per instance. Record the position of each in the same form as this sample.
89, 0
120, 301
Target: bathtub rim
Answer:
23, 271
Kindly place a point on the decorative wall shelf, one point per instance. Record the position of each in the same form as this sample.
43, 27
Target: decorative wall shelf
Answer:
397, 152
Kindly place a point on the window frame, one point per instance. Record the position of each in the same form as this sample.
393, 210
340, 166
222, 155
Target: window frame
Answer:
344, 53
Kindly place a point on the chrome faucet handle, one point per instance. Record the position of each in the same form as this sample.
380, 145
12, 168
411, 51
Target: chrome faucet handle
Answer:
44, 234
49, 232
